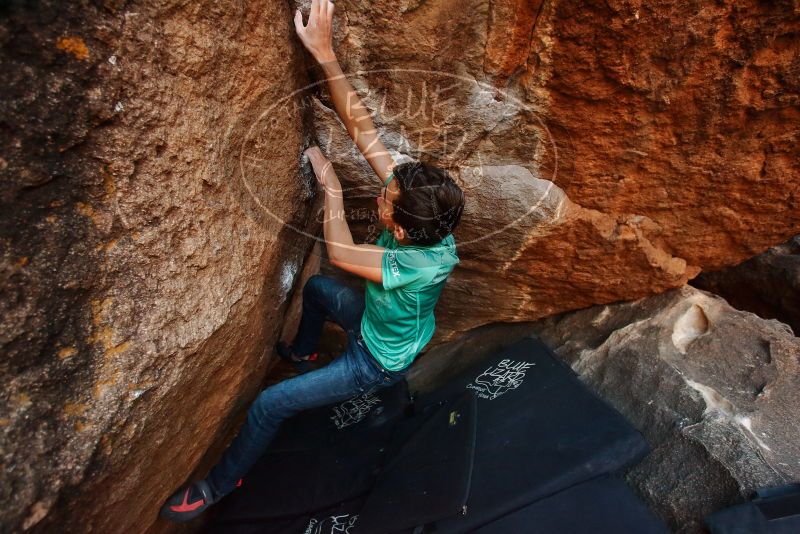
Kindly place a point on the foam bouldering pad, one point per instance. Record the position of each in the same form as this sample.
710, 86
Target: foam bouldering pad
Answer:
325, 456
428, 469
772, 511
342, 518
339, 518
604, 505
540, 430
356, 415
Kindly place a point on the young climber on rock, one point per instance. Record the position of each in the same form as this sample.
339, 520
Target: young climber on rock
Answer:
389, 323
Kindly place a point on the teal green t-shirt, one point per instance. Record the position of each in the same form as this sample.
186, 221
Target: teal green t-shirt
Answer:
398, 319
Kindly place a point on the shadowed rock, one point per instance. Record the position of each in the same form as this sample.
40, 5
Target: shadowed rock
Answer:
145, 260
712, 388
768, 285
716, 402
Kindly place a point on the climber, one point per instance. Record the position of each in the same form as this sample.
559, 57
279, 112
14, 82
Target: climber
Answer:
405, 271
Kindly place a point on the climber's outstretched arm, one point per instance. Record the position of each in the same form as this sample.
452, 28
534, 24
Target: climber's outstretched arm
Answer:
317, 38
362, 260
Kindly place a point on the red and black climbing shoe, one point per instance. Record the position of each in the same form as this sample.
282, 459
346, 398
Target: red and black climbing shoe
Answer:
189, 502
301, 363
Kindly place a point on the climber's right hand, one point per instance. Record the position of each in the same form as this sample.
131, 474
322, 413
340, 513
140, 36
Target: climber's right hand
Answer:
317, 35
323, 169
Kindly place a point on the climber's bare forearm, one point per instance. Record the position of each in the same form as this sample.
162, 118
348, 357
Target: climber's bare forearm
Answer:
356, 117
335, 228
317, 37
342, 252
363, 260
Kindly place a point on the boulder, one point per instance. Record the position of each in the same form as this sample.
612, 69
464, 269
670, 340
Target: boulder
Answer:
713, 389
154, 218
666, 135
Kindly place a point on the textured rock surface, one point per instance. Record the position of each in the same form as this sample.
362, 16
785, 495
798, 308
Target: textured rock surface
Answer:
713, 390
153, 210
141, 281
526, 250
670, 131
767, 285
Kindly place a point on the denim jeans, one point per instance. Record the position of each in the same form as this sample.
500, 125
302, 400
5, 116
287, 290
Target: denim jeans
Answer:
354, 372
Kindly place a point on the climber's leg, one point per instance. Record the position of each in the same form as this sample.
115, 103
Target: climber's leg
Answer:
326, 298
354, 372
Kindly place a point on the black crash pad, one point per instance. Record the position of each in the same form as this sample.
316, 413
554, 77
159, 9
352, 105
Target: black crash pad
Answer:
337, 519
319, 458
427, 473
357, 415
772, 511
604, 505
425, 477
540, 430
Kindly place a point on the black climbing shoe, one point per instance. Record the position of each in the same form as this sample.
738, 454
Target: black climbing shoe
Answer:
188, 502
300, 363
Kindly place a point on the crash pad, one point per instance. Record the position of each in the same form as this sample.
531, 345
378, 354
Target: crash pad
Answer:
772, 511
427, 473
540, 430
319, 458
604, 505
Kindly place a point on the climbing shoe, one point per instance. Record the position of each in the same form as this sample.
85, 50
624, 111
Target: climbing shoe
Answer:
301, 363
189, 502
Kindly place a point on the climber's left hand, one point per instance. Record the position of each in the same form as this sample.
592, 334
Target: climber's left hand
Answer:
323, 169
317, 35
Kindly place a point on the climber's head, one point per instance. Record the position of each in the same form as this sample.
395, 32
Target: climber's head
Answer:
422, 203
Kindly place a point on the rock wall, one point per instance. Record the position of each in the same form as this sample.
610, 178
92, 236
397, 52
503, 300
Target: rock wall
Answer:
154, 215
148, 186
659, 140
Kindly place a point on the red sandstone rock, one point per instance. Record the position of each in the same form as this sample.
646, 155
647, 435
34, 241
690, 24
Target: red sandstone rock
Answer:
670, 131
143, 279
153, 211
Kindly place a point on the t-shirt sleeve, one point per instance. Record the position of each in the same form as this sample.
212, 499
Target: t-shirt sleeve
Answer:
402, 267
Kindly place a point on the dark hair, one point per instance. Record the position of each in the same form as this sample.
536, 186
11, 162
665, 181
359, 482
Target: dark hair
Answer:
430, 204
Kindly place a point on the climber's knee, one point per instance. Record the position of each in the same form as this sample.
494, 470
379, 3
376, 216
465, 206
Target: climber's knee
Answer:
269, 406
313, 285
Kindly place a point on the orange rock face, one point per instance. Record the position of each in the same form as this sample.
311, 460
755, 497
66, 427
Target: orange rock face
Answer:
155, 215
684, 113
670, 131
146, 196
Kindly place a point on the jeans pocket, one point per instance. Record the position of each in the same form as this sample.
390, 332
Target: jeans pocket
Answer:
367, 375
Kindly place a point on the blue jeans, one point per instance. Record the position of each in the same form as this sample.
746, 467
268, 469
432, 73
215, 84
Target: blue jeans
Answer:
355, 371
